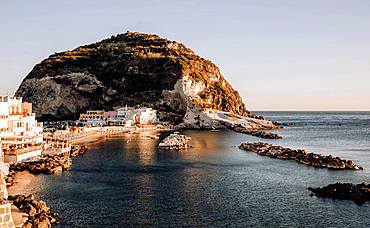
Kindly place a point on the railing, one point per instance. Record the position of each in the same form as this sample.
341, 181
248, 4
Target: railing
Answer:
59, 137
56, 150
21, 114
22, 150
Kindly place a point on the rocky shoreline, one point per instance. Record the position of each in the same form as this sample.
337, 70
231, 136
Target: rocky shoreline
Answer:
300, 156
39, 215
47, 164
175, 142
360, 193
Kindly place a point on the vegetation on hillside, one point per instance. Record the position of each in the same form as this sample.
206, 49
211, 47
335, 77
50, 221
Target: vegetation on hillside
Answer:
139, 67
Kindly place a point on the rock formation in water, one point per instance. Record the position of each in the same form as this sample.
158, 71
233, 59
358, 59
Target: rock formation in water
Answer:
175, 142
136, 69
360, 193
300, 156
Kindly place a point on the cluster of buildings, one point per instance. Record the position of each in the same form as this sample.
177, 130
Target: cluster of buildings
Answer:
21, 136
20, 133
125, 116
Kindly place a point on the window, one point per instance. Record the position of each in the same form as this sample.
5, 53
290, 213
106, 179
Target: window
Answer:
20, 124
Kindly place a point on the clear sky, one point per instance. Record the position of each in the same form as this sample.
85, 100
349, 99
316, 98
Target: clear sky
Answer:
279, 55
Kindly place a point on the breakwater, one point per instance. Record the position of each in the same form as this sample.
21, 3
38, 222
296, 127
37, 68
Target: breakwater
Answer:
46, 164
360, 193
300, 156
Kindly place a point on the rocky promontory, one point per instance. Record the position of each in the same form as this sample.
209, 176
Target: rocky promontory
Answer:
136, 69
360, 193
174, 142
300, 156
258, 133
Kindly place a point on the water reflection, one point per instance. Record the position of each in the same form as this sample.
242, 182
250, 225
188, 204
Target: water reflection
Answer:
212, 142
214, 184
144, 199
146, 149
135, 147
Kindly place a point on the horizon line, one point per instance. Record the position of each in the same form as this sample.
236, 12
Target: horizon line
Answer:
310, 110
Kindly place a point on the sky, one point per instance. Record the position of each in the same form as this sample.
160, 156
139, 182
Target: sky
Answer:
285, 55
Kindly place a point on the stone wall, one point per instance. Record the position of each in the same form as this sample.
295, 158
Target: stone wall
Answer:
6, 220
3, 191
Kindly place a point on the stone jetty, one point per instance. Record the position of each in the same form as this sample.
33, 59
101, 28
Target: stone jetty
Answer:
360, 193
301, 156
48, 164
39, 215
258, 133
174, 142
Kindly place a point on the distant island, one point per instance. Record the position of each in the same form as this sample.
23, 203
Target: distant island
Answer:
138, 70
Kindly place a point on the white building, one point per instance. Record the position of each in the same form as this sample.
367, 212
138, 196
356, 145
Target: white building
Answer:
123, 116
93, 118
20, 133
146, 116
126, 113
138, 116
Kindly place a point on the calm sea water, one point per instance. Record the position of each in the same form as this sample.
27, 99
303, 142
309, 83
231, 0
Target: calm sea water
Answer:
124, 181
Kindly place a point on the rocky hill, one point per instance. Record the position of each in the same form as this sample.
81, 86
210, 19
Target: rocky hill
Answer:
135, 69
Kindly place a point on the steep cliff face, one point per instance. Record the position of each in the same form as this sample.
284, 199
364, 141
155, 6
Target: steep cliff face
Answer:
131, 69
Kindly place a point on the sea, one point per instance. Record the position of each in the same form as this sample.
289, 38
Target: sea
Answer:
125, 181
